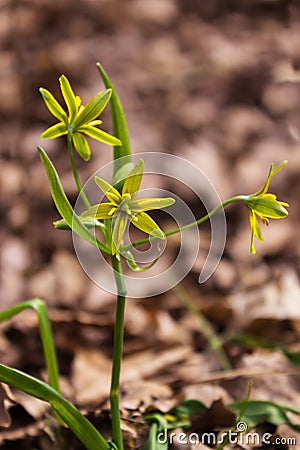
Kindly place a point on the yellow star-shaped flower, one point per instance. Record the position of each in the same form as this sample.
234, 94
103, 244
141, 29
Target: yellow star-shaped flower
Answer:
80, 119
265, 206
124, 207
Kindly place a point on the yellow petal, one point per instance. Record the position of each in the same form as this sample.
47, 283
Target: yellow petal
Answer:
107, 188
145, 223
119, 226
100, 211
134, 179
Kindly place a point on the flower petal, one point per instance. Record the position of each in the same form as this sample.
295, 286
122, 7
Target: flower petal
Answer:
59, 129
108, 189
92, 109
147, 204
53, 105
134, 179
145, 223
267, 206
271, 174
119, 226
100, 135
255, 230
69, 97
100, 211
81, 145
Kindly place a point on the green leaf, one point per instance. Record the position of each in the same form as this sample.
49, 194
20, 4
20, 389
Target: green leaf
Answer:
254, 341
63, 206
53, 105
81, 145
89, 222
121, 174
69, 97
294, 357
189, 408
119, 123
100, 135
92, 109
153, 441
258, 412
80, 426
45, 332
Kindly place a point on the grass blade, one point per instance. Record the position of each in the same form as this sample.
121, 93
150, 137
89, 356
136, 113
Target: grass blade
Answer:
119, 123
80, 426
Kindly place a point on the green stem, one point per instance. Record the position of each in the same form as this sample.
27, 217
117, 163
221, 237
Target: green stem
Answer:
75, 173
189, 225
117, 355
213, 339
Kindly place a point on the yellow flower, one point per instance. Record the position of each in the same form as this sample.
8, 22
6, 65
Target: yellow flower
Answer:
265, 206
80, 119
123, 207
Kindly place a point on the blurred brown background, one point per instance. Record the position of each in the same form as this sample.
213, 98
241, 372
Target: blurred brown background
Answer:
216, 82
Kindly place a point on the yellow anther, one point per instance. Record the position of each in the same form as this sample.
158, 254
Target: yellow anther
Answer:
112, 197
110, 213
126, 195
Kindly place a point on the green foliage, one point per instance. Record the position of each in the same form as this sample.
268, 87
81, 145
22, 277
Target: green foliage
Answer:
63, 205
258, 412
119, 124
80, 426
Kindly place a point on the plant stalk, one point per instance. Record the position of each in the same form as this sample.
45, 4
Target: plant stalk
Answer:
189, 225
117, 353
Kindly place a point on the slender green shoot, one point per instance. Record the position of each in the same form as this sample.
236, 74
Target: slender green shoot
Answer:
189, 225
117, 355
212, 338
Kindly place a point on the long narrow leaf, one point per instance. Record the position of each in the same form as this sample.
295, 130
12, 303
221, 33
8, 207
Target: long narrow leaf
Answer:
45, 332
119, 123
260, 411
64, 207
80, 426
46, 337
